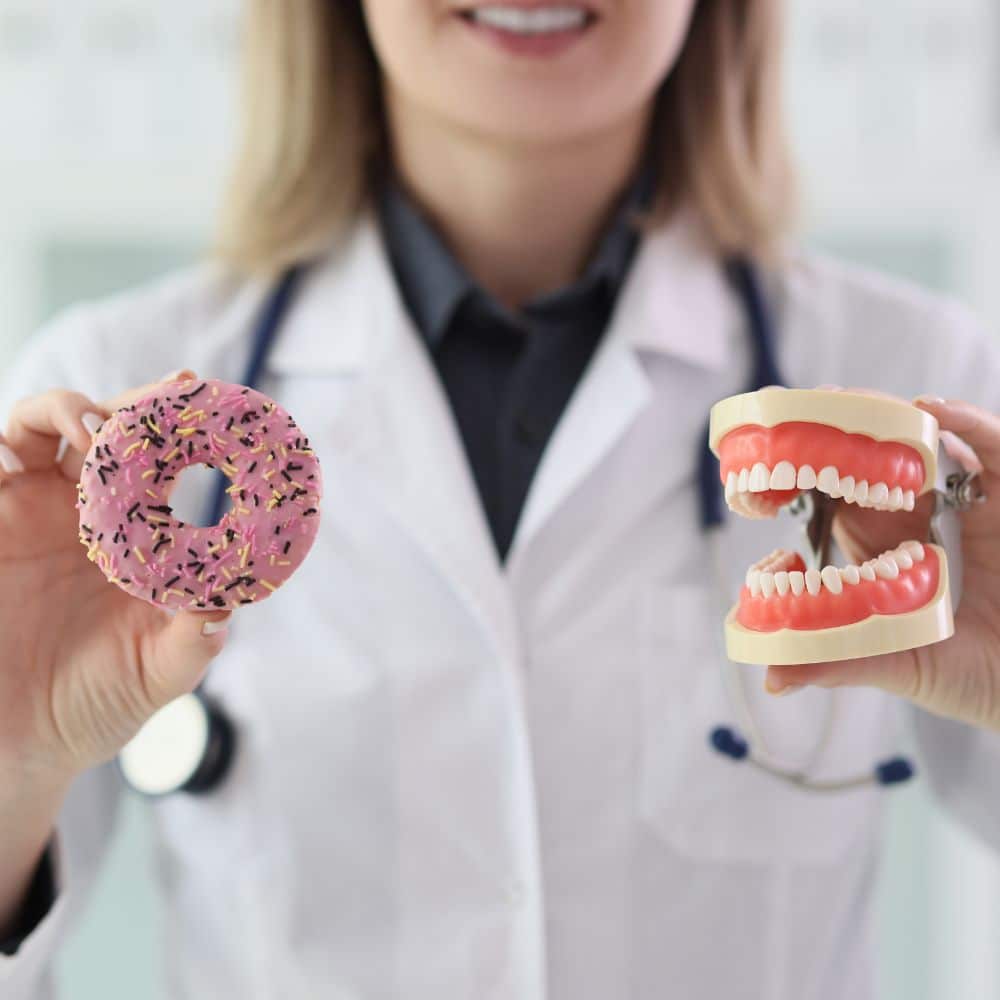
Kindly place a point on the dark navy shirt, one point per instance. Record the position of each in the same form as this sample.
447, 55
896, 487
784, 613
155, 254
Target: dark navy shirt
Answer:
38, 902
508, 374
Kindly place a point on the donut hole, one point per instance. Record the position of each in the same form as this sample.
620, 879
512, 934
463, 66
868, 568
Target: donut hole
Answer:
192, 495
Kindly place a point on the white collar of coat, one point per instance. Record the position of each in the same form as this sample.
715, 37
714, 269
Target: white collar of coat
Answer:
676, 295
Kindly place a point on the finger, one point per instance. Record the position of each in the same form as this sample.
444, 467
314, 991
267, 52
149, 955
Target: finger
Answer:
58, 426
979, 428
875, 393
37, 423
893, 672
176, 658
10, 464
130, 396
961, 451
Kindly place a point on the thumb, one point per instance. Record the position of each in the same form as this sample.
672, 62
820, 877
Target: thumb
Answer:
177, 656
897, 673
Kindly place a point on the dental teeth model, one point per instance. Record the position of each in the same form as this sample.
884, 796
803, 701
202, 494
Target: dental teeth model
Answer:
851, 448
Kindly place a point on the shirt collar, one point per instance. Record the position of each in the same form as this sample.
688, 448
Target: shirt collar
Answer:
679, 299
434, 284
431, 281
675, 302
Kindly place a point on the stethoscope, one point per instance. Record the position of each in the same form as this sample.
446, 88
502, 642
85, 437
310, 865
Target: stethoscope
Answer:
189, 745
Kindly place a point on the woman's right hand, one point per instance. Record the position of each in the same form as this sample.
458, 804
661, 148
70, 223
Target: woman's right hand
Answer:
82, 664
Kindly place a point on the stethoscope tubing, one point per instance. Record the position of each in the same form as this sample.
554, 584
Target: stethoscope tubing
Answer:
746, 282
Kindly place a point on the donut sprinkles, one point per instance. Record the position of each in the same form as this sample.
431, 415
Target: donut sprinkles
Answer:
128, 526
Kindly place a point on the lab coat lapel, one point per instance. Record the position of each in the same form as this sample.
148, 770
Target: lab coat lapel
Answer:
396, 431
607, 401
675, 305
397, 434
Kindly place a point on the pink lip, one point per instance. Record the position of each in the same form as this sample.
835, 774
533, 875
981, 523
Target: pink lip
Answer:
547, 44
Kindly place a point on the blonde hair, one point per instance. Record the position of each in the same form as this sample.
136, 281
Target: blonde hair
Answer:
313, 131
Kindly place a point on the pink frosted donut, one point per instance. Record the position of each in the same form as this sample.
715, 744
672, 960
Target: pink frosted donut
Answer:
130, 471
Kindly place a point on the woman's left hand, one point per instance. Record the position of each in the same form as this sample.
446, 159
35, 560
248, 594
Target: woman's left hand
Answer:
960, 677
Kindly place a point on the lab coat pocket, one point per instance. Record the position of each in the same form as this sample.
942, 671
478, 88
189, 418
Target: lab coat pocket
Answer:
705, 805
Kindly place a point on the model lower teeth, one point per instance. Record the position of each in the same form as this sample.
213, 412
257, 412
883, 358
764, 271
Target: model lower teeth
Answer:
774, 575
540, 20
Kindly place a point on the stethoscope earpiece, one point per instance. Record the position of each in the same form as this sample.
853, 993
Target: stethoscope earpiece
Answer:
729, 743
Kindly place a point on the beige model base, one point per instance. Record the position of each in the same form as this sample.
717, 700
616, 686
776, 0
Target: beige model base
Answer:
872, 637
876, 417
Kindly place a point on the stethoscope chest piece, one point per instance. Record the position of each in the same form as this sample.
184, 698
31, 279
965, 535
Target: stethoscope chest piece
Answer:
187, 746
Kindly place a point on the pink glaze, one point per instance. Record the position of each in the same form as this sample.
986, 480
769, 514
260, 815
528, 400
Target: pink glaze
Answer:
130, 472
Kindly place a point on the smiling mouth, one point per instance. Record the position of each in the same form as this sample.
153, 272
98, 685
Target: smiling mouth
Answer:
535, 20
878, 453
529, 30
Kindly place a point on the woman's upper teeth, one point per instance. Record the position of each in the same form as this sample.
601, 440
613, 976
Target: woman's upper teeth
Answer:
531, 21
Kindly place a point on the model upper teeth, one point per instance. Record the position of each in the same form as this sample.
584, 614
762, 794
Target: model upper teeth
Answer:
530, 21
770, 575
758, 478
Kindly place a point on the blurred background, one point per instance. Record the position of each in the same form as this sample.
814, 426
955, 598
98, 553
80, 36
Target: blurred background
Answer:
116, 120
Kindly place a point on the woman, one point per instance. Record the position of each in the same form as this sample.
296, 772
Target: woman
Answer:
472, 756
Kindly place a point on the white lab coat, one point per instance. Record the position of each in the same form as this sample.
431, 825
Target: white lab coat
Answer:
461, 780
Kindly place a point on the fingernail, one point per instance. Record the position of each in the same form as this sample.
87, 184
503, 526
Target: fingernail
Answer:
774, 686
92, 422
212, 628
178, 376
933, 400
62, 449
10, 462
788, 689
